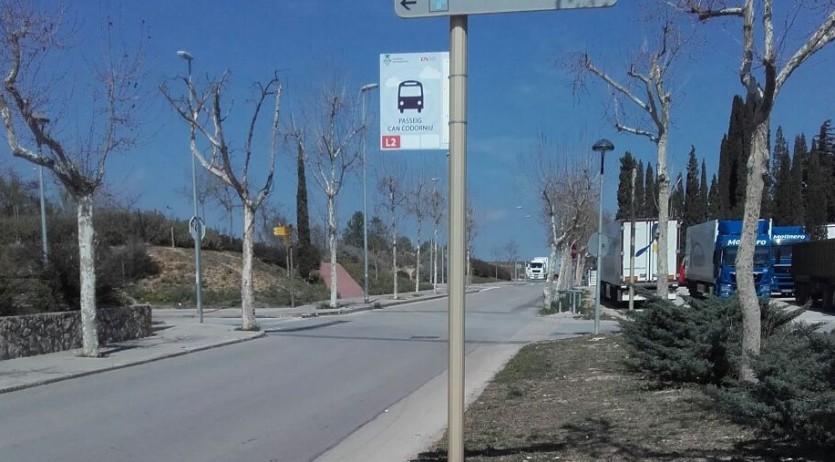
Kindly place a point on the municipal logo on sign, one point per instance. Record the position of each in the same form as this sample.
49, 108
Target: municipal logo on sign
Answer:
391, 142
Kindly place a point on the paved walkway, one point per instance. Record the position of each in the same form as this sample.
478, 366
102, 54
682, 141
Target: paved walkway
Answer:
177, 332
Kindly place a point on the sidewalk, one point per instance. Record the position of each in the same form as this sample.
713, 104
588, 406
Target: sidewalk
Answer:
176, 332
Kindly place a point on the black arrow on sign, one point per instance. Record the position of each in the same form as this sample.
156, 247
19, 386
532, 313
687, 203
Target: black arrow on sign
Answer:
407, 3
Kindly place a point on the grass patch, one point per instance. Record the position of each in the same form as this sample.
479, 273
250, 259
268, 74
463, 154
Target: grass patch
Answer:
575, 400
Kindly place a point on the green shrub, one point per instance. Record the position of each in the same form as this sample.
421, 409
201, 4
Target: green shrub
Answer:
794, 396
699, 342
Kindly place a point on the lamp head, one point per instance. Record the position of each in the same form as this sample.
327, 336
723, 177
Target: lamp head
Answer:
368, 87
603, 146
185, 55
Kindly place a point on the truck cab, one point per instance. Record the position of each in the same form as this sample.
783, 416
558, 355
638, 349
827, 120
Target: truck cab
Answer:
727, 248
782, 239
712, 248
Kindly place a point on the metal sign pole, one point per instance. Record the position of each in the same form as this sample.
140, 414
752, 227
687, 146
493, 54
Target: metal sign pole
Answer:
457, 234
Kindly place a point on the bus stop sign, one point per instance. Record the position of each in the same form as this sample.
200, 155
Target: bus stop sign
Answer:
430, 8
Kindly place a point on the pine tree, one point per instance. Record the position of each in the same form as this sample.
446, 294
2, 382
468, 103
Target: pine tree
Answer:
714, 209
703, 194
692, 211
798, 191
826, 147
640, 193
782, 175
650, 193
627, 163
816, 207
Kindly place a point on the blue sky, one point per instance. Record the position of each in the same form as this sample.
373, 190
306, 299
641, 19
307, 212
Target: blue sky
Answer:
517, 89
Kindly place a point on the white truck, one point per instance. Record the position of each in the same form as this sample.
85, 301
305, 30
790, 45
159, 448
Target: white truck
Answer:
615, 264
537, 269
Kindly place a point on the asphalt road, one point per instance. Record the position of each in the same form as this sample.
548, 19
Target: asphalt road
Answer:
307, 389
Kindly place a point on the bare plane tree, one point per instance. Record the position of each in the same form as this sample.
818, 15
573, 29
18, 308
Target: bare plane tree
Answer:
28, 37
334, 154
202, 110
416, 201
762, 76
648, 72
568, 203
436, 211
392, 185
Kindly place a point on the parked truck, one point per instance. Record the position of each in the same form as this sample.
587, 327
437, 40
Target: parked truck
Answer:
782, 240
537, 269
615, 264
711, 257
813, 269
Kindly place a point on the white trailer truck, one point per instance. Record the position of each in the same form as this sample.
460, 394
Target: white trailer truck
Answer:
615, 264
537, 269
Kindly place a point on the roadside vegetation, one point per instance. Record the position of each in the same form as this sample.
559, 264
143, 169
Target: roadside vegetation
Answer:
665, 389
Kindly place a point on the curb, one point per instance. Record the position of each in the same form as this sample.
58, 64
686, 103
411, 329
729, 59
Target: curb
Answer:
356, 309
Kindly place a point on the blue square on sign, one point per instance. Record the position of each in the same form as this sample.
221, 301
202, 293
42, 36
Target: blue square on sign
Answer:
438, 5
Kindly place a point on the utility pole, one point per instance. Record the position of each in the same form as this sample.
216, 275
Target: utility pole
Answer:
632, 244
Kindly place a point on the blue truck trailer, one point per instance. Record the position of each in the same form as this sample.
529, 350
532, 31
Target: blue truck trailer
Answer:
710, 261
782, 240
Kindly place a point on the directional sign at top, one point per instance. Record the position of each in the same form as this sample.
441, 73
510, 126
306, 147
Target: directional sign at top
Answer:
428, 8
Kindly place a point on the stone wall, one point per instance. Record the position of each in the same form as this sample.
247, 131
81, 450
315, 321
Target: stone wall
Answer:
50, 332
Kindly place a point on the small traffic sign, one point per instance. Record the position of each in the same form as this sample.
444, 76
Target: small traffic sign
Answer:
604, 244
429, 8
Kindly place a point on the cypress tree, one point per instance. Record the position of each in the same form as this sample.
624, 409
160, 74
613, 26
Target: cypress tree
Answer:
724, 180
640, 194
733, 159
714, 200
307, 256
692, 212
651, 198
704, 200
627, 163
677, 200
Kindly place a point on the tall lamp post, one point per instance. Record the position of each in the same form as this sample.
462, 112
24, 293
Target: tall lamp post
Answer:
196, 223
363, 90
602, 146
42, 120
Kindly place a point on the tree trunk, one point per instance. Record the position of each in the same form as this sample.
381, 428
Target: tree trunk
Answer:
87, 269
332, 247
247, 298
662, 289
417, 262
745, 256
579, 267
435, 259
549, 279
563, 281
394, 252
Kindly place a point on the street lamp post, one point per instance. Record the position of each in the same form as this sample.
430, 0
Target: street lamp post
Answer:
196, 223
42, 120
602, 146
365, 89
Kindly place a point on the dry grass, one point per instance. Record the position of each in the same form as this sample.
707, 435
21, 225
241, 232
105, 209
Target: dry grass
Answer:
574, 400
173, 286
